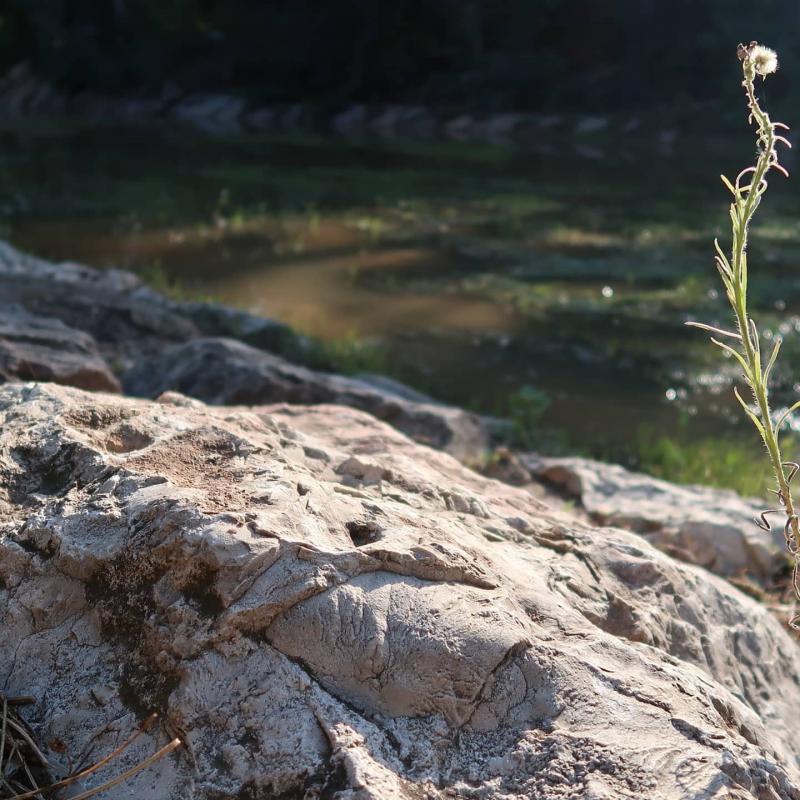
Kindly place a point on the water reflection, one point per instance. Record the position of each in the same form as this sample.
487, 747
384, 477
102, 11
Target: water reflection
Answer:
479, 270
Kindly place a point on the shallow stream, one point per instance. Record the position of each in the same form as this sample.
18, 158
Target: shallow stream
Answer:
551, 285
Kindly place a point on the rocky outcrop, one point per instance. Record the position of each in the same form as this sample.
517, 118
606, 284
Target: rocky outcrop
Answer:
125, 317
710, 527
215, 319
128, 319
161, 344
227, 372
316, 604
44, 349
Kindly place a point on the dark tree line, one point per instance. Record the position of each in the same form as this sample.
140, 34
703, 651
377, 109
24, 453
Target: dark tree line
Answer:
480, 54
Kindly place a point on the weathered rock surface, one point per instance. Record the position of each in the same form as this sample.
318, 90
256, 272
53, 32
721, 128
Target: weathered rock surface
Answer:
710, 527
215, 319
227, 372
318, 604
124, 316
135, 327
45, 349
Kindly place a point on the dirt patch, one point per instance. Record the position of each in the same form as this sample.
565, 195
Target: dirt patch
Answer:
197, 459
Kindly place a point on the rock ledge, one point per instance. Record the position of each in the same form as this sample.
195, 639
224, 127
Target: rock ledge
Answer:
322, 607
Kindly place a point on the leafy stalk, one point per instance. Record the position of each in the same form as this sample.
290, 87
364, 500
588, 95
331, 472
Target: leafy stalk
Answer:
747, 190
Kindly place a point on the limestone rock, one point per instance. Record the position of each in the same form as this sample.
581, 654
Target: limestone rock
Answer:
260, 119
350, 122
227, 372
22, 94
317, 604
710, 527
44, 349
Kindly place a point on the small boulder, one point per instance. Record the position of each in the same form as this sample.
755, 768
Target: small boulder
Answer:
45, 349
125, 317
227, 372
215, 319
713, 528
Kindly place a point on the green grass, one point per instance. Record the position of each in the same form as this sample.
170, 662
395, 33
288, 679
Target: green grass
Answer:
347, 355
723, 462
719, 461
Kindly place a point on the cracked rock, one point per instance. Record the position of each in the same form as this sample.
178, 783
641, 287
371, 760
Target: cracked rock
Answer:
321, 607
713, 528
228, 372
45, 349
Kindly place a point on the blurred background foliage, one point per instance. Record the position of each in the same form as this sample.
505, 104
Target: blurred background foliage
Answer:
544, 278
483, 55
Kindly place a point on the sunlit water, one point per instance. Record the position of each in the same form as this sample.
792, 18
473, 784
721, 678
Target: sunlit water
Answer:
475, 270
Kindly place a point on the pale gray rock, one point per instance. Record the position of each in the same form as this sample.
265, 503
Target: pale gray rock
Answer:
227, 372
293, 118
711, 527
461, 128
23, 94
350, 122
321, 607
550, 121
45, 349
591, 124
394, 387
214, 113
417, 122
500, 129
394, 121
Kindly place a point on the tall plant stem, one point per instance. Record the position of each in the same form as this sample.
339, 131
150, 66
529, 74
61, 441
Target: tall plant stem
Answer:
746, 199
766, 159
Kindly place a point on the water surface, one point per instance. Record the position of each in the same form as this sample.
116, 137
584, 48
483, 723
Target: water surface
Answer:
472, 271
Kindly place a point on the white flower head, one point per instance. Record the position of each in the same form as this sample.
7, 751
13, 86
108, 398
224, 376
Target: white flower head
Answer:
764, 60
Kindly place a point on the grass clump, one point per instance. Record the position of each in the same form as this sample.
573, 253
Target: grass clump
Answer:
744, 343
347, 355
724, 463
526, 407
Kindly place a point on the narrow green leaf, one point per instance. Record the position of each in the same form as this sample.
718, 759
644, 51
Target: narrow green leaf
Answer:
735, 353
747, 410
712, 329
730, 186
722, 256
726, 281
755, 340
786, 414
772, 359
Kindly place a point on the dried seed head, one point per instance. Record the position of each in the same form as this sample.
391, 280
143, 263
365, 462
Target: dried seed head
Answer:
764, 60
